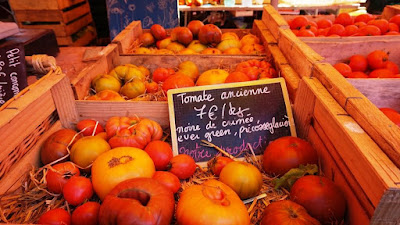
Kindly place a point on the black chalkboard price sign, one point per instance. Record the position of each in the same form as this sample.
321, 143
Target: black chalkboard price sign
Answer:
230, 116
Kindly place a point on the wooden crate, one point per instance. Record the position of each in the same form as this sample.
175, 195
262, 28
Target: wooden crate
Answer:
307, 62
68, 18
129, 37
348, 155
111, 58
390, 10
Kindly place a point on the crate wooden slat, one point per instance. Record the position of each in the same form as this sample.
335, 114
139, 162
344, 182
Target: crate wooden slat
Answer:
52, 15
390, 10
129, 37
67, 18
42, 4
356, 154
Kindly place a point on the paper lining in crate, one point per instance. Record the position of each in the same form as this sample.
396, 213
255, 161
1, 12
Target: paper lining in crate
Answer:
128, 40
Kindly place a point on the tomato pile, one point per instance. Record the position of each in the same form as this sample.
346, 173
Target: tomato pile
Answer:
122, 172
197, 38
375, 65
139, 84
345, 25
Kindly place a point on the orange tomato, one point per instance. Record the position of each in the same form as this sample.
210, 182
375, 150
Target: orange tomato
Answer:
298, 22
382, 24
337, 29
343, 69
344, 19
358, 63
324, 23
117, 165
244, 178
377, 59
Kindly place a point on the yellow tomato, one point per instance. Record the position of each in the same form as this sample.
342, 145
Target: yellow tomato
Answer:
244, 178
117, 165
213, 76
87, 149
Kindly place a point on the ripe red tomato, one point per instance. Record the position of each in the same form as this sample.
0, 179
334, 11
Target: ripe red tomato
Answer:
86, 214
286, 212
183, 166
77, 190
170, 180
392, 114
160, 152
322, 199
58, 175
216, 164
161, 74
286, 153
55, 217
89, 126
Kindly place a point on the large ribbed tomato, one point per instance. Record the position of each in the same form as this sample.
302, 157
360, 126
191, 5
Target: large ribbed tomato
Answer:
117, 165
132, 132
139, 200
212, 202
286, 212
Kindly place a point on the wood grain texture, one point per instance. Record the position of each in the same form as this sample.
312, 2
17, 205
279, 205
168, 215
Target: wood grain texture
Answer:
103, 110
300, 56
390, 10
384, 132
387, 212
64, 100
127, 36
13, 180
274, 21
372, 169
262, 31
356, 212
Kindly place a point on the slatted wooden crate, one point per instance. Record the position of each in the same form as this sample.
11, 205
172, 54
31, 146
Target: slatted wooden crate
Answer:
348, 155
308, 63
390, 10
128, 38
68, 18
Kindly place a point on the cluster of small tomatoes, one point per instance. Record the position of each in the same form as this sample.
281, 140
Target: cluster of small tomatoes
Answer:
345, 25
162, 79
375, 65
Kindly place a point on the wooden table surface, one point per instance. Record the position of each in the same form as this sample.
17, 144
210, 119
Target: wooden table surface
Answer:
72, 60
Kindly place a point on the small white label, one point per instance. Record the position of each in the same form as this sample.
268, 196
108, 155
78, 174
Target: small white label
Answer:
353, 127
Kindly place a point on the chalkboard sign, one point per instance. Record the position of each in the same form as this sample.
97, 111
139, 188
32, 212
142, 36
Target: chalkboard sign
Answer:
230, 116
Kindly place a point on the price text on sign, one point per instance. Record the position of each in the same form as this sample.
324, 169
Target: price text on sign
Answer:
231, 116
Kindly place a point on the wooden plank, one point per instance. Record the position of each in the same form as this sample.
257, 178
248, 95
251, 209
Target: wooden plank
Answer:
64, 41
59, 29
126, 37
273, 20
262, 31
390, 10
68, 3
85, 39
64, 100
81, 83
303, 109
372, 169
292, 79
78, 24
331, 158
300, 56
24, 114
384, 132
33, 5
74, 13
356, 214
13, 180
157, 111
38, 15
